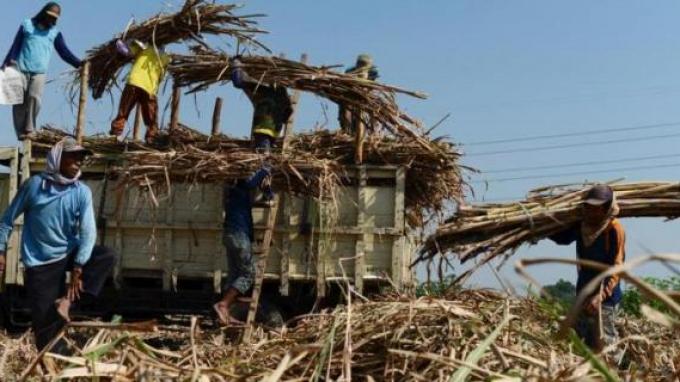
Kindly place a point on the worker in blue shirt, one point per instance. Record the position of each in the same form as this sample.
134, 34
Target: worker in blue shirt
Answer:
30, 53
58, 235
238, 238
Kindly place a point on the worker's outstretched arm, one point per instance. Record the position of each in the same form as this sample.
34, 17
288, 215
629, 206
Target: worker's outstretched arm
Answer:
65, 53
241, 79
88, 230
16, 208
258, 177
13, 53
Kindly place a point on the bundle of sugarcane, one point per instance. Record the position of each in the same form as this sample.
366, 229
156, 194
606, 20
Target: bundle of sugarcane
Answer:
195, 19
492, 230
434, 177
315, 164
375, 100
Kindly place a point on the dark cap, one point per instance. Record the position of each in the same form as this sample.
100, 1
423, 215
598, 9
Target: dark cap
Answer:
599, 195
71, 146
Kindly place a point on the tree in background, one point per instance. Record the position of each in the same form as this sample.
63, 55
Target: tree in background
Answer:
563, 291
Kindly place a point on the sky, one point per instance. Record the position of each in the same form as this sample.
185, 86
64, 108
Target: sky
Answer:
503, 69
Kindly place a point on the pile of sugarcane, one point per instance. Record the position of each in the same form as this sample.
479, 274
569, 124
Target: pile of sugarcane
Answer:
475, 335
492, 230
194, 20
375, 100
316, 163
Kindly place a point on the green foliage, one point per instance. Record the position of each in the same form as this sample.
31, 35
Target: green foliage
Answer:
435, 288
633, 299
563, 291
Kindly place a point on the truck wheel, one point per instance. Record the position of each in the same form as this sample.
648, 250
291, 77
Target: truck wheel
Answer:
268, 314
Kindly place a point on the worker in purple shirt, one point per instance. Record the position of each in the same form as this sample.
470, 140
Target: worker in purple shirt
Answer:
30, 54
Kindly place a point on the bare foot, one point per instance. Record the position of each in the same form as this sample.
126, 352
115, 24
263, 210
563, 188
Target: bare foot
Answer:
63, 306
222, 311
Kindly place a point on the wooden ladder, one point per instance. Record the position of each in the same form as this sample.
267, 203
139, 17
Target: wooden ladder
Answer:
269, 230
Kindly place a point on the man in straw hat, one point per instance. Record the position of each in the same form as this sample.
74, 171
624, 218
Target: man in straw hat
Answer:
601, 238
365, 69
58, 235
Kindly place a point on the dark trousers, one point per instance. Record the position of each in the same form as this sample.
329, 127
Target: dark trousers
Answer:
47, 283
131, 97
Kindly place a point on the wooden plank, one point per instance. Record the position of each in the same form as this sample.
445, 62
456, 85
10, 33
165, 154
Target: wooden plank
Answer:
174, 107
399, 224
360, 139
25, 174
360, 252
271, 221
82, 101
217, 115
168, 245
13, 250
121, 206
284, 288
222, 255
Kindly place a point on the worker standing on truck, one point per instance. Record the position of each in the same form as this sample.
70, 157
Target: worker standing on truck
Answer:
601, 238
30, 54
58, 235
238, 237
148, 70
365, 69
271, 103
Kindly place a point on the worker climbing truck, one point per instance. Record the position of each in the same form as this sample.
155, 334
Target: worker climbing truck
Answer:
171, 256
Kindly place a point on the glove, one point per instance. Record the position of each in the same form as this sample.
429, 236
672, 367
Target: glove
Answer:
236, 62
123, 48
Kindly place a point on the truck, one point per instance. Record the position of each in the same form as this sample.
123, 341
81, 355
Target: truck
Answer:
170, 253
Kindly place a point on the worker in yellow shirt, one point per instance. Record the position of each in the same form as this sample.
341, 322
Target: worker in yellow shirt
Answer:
148, 69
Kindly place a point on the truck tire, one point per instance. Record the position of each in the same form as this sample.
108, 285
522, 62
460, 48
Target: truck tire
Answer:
268, 314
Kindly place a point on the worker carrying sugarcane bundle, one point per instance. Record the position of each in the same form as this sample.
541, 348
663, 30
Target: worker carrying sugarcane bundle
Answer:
271, 104
600, 238
148, 69
58, 235
30, 54
238, 236
364, 68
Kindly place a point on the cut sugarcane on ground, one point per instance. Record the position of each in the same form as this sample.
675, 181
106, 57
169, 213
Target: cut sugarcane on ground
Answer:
473, 335
487, 231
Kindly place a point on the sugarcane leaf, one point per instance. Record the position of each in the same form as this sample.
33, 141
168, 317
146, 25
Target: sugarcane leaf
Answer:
461, 374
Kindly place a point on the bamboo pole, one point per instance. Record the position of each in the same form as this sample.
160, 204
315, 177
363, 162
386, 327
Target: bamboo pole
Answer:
80, 124
174, 107
138, 124
217, 114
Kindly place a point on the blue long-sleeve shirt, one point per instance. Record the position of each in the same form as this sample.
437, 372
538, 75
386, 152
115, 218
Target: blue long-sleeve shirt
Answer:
57, 221
238, 204
59, 45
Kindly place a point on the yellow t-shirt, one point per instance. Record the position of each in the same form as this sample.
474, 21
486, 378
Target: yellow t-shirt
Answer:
148, 70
